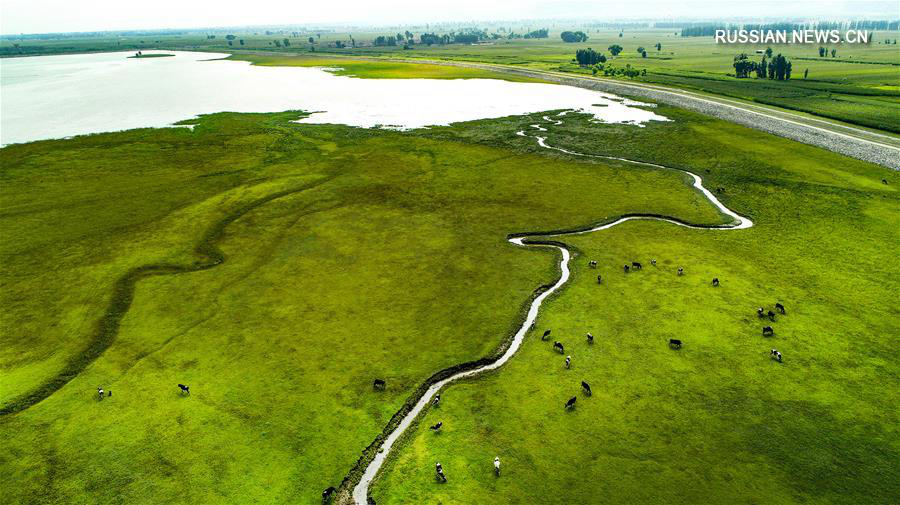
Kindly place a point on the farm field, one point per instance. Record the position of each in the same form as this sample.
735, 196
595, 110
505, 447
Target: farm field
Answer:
276, 269
717, 421
859, 85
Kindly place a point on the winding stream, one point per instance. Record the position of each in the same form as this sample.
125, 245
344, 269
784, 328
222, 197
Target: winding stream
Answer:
361, 490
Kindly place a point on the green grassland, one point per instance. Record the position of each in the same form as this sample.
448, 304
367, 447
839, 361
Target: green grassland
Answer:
373, 69
717, 421
858, 86
277, 269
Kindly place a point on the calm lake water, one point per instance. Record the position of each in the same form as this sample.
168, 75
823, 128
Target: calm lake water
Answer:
60, 96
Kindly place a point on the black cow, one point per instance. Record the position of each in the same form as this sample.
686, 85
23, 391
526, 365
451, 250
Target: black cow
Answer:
593, 264
559, 347
779, 307
715, 281
635, 265
571, 403
777, 355
586, 387
326, 495
184, 389
379, 384
590, 338
884, 181
626, 268
675, 343
599, 279
436, 401
437, 426
760, 312
771, 315
439, 472
768, 331
545, 335
680, 270
100, 393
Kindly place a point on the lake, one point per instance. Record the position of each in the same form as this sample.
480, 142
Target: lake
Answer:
60, 96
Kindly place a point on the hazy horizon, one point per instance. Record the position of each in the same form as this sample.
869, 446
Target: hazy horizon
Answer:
57, 16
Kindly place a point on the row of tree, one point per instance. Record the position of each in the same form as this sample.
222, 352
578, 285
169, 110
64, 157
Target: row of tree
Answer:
779, 68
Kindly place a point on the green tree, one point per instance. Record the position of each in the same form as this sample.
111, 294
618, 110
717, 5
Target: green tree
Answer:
573, 36
769, 52
658, 46
822, 52
615, 49
805, 73
833, 52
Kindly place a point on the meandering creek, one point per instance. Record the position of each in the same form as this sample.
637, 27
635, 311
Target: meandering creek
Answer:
361, 489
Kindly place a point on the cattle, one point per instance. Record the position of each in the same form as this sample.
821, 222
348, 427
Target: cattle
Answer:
626, 268
326, 495
497, 465
760, 312
571, 403
437, 426
568, 362
884, 181
379, 384
184, 389
559, 347
545, 335
586, 387
715, 281
675, 343
768, 331
590, 338
653, 262
680, 270
779, 307
100, 393
776, 355
720, 189
439, 472
436, 401
593, 264
599, 279
771, 315
636, 266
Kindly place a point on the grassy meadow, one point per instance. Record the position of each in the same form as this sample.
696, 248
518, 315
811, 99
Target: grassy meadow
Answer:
717, 421
276, 269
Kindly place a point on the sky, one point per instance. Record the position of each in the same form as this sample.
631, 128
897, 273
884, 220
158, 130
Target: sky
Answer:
43, 16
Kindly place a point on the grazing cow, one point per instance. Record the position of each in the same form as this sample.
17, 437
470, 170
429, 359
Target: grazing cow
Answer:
777, 355
771, 315
760, 312
533, 322
680, 270
437, 426
109, 392
326, 495
436, 401
184, 389
768, 331
545, 335
559, 347
99, 393
653, 262
439, 472
568, 362
626, 267
590, 338
571, 403
497, 465
884, 181
593, 264
599, 279
586, 387
635, 265
675, 343
715, 281
779, 307
379, 384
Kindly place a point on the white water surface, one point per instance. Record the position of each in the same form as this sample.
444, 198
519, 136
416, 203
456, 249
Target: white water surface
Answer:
46, 97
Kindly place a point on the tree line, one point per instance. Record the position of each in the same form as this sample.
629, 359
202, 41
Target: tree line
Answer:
779, 68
